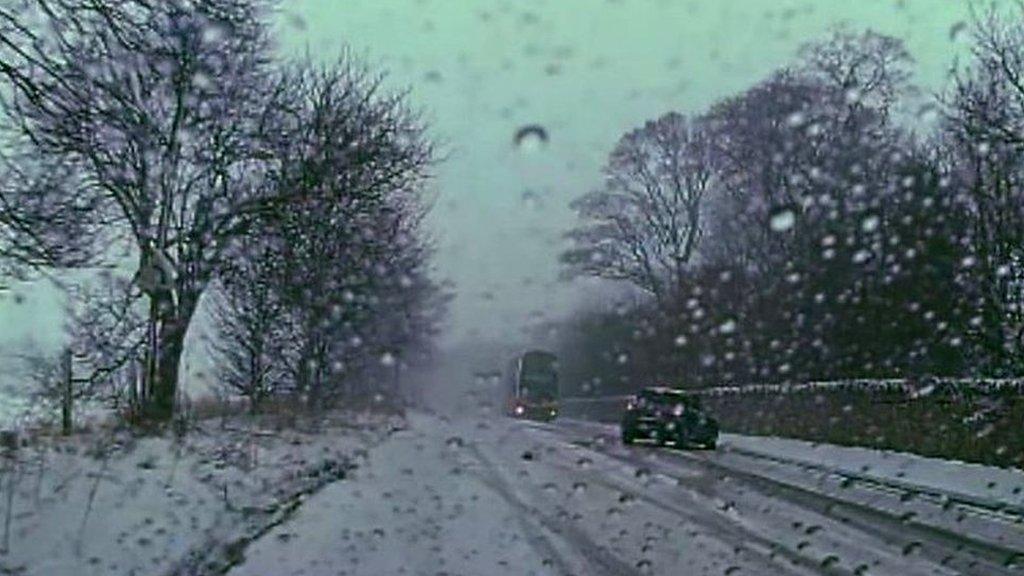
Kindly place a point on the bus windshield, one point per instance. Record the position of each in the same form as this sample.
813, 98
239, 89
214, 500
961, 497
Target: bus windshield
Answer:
538, 378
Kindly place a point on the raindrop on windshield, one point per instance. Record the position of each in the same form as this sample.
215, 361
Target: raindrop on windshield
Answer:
782, 220
530, 138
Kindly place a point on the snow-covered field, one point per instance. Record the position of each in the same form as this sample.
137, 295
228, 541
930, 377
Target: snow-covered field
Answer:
111, 504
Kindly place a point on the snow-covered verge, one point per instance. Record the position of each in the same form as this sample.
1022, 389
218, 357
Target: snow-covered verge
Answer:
111, 503
970, 483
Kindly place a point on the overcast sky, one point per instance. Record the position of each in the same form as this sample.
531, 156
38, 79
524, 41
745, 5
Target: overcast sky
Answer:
587, 70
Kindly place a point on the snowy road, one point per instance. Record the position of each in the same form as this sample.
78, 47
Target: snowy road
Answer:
504, 497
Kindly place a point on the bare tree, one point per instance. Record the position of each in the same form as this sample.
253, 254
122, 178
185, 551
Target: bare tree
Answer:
767, 148
407, 304
106, 329
158, 112
643, 225
871, 71
810, 144
816, 186
26, 248
250, 330
359, 159
985, 133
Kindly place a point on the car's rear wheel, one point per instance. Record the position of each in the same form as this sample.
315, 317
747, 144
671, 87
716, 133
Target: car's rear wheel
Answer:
661, 438
682, 440
627, 435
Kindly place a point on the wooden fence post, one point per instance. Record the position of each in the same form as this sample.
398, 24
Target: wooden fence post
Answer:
134, 375
67, 393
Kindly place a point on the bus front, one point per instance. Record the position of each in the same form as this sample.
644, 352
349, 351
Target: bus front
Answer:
536, 394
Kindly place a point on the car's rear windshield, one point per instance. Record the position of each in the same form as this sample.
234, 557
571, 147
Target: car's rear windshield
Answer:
662, 398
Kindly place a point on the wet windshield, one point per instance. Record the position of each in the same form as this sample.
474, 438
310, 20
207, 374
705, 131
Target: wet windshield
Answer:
511, 287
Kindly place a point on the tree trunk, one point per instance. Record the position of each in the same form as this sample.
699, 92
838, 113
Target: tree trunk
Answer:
165, 387
173, 325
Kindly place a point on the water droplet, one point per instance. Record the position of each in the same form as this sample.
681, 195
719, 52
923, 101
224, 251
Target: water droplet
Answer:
531, 137
532, 200
296, 21
957, 30
782, 220
928, 113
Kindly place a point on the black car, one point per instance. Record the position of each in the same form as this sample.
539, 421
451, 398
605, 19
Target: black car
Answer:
667, 415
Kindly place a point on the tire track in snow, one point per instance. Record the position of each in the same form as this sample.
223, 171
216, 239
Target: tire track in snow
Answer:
972, 556
597, 559
716, 524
